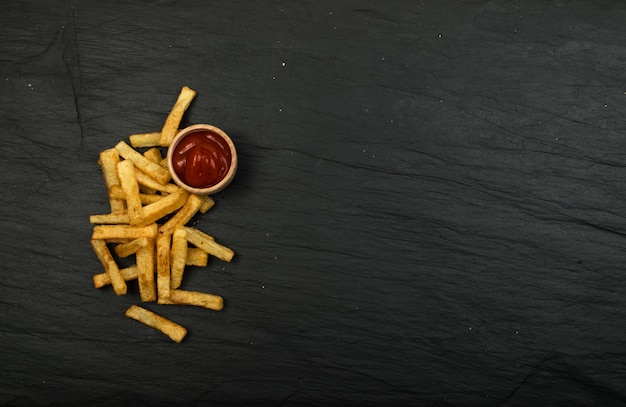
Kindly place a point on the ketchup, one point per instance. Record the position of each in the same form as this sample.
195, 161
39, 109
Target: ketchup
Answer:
201, 159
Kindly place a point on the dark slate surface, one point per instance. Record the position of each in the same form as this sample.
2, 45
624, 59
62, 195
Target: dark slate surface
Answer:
429, 208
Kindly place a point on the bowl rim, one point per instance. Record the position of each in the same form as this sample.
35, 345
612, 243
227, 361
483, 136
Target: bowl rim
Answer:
182, 133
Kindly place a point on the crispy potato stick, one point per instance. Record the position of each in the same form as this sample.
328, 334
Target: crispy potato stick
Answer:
144, 139
178, 257
154, 154
208, 244
110, 267
183, 216
163, 246
175, 332
184, 297
132, 247
196, 257
164, 206
108, 162
121, 233
155, 170
207, 203
102, 279
128, 179
110, 219
151, 183
146, 267
145, 198
170, 128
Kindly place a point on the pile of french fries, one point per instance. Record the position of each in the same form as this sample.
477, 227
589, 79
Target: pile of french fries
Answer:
149, 219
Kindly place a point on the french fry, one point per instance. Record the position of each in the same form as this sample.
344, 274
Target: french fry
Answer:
151, 183
145, 198
208, 244
199, 299
146, 269
184, 215
163, 247
153, 154
207, 203
110, 267
131, 247
164, 206
144, 139
128, 180
122, 233
110, 219
157, 172
108, 163
196, 257
178, 257
173, 330
170, 127
102, 279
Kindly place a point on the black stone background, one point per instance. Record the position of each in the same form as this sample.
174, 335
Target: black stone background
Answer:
429, 208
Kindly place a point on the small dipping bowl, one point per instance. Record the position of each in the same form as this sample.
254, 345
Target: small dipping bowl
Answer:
202, 159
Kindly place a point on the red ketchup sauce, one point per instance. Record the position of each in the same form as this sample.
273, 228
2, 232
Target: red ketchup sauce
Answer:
201, 159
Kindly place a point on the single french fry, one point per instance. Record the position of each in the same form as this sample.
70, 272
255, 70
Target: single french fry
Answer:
145, 198
173, 330
196, 257
164, 206
140, 140
153, 154
108, 163
110, 267
121, 233
102, 279
155, 170
184, 215
208, 244
178, 257
207, 203
146, 269
131, 247
199, 299
128, 180
110, 219
163, 247
170, 127
151, 183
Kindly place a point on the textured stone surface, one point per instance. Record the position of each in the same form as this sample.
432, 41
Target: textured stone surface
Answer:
429, 208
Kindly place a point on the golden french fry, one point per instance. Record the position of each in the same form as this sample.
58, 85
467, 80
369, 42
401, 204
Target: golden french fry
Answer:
128, 180
196, 257
170, 127
110, 219
163, 247
207, 203
178, 257
140, 140
185, 297
173, 330
208, 244
131, 247
110, 266
145, 198
183, 216
142, 163
164, 206
154, 154
146, 268
121, 233
108, 162
151, 183
102, 279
